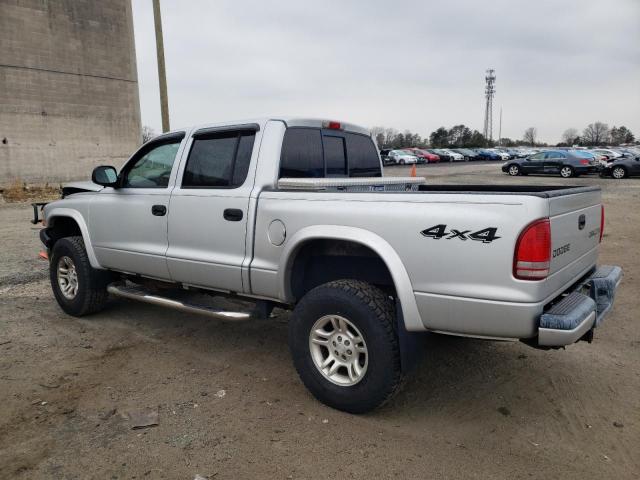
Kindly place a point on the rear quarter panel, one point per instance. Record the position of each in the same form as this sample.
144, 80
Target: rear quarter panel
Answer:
453, 265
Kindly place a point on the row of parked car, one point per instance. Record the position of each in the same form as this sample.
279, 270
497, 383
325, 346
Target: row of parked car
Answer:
408, 156
616, 162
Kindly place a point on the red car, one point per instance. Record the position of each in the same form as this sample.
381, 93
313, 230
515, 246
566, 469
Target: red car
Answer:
426, 156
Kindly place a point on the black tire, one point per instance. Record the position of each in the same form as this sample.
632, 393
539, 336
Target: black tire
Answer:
401, 162
91, 295
373, 314
514, 170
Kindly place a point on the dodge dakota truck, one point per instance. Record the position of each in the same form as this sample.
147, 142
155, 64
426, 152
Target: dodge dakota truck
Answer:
296, 213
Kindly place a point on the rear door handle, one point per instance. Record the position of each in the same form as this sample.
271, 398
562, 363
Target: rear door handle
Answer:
159, 210
233, 214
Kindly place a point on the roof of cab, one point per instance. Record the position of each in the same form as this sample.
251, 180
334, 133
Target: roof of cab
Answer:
289, 121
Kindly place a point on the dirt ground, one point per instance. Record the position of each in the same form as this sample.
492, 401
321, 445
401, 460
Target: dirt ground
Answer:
230, 404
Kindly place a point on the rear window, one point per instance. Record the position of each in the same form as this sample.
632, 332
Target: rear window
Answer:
316, 153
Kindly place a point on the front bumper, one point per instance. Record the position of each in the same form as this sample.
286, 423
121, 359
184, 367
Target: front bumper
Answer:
576, 315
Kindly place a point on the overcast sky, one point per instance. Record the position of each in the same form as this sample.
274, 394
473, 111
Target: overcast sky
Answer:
414, 65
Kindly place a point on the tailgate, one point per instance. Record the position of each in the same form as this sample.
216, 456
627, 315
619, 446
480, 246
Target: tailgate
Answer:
575, 231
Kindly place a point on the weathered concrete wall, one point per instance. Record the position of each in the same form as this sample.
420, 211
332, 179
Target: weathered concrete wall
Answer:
68, 88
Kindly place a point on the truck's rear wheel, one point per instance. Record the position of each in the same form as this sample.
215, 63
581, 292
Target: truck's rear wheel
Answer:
344, 343
78, 288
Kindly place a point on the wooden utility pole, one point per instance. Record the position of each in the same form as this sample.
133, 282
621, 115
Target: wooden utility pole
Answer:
162, 74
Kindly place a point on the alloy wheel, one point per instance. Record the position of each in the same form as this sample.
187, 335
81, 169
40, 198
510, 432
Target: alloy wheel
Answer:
338, 350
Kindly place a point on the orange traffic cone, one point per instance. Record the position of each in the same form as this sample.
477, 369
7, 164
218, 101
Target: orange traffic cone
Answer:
413, 170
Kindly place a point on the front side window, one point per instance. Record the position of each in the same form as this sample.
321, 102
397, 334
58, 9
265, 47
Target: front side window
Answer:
537, 156
153, 168
219, 160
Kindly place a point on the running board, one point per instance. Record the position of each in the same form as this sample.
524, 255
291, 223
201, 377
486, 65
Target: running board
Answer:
142, 295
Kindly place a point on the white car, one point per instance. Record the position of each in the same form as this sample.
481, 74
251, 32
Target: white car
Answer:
455, 156
400, 157
610, 154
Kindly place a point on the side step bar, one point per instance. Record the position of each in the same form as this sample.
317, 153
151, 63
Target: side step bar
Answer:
142, 295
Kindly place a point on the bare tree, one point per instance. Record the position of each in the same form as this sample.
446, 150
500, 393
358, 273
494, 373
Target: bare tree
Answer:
147, 133
389, 135
569, 136
595, 134
378, 135
530, 135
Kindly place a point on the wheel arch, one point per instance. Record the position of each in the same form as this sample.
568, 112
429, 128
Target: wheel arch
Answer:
306, 237
70, 222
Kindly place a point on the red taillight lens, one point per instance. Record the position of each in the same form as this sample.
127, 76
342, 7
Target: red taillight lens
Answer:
601, 221
532, 257
584, 162
332, 125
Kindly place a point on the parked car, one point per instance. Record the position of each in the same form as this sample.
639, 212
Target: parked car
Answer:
566, 163
402, 157
609, 154
622, 167
467, 153
268, 210
484, 154
455, 156
503, 155
425, 155
384, 156
442, 155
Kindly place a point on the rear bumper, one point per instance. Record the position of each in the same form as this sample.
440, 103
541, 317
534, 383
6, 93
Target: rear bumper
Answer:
576, 315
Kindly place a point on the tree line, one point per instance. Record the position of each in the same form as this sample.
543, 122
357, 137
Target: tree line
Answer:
461, 136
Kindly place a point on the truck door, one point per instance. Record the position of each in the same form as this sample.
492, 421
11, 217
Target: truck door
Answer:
128, 224
209, 208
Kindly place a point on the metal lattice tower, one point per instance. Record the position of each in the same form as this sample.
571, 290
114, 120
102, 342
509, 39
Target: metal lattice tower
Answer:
489, 91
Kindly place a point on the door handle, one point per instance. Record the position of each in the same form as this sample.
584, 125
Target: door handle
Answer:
159, 210
232, 214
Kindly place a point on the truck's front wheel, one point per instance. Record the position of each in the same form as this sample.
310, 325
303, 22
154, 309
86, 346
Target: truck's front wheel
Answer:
344, 342
78, 288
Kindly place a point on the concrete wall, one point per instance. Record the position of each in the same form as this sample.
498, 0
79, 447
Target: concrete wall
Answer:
68, 88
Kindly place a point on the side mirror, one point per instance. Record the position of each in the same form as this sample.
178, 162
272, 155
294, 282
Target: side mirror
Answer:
105, 175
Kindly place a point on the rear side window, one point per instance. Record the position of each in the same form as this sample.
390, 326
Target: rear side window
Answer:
316, 153
302, 154
219, 160
363, 159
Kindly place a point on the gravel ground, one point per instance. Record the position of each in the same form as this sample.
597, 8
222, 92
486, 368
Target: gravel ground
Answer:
229, 404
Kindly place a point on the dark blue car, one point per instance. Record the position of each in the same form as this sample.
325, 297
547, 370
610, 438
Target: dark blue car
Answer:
487, 155
567, 163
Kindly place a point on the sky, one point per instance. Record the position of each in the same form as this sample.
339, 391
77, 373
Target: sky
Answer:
411, 65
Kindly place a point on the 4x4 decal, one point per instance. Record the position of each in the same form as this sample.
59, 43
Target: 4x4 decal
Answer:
486, 235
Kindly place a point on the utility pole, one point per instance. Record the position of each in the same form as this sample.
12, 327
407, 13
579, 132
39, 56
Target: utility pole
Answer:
489, 91
162, 74
500, 128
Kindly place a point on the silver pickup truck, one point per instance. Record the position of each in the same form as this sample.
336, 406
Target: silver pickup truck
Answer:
296, 213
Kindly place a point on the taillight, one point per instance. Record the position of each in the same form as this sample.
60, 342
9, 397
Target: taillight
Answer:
601, 221
332, 125
584, 162
532, 258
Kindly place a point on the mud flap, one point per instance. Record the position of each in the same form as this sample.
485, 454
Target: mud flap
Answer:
411, 343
